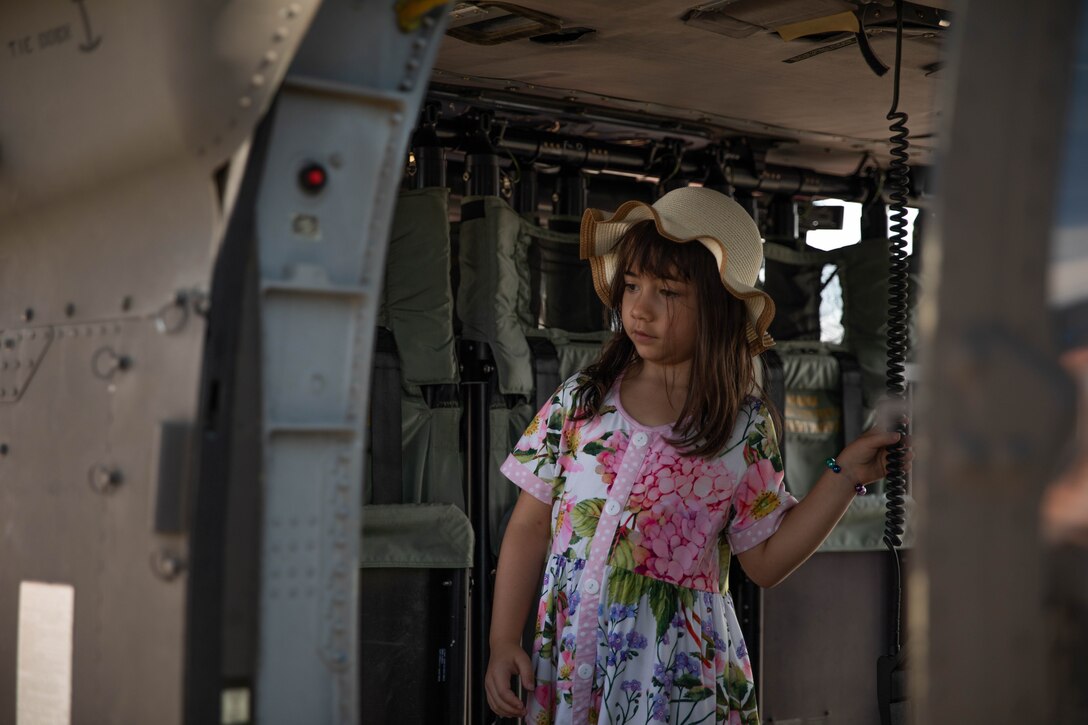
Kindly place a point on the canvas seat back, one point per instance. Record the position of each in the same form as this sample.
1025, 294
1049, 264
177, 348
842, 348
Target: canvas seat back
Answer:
416, 541
832, 390
520, 288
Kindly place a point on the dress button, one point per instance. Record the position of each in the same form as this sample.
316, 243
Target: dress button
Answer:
585, 671
639, 439
612, 508
592, 586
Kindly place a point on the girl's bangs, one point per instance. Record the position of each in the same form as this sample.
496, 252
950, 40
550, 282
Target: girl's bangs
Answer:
645, 251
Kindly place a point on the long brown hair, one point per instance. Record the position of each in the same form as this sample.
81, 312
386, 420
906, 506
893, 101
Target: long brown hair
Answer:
722, 369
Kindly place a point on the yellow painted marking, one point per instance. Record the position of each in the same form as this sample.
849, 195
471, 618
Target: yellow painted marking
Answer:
840, 22
411, 12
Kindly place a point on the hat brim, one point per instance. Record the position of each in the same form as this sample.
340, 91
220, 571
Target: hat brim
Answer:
601, 231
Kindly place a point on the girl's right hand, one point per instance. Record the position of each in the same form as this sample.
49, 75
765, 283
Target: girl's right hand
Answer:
507, 660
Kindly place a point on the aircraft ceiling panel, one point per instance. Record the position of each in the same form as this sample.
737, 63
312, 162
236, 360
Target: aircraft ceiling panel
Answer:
818, 90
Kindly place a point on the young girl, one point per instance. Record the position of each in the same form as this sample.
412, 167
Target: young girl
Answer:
644, 473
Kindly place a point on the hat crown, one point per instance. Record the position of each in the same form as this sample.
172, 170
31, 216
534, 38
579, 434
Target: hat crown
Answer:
699, 212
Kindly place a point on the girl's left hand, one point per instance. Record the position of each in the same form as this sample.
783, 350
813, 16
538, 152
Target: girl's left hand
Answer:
866, 459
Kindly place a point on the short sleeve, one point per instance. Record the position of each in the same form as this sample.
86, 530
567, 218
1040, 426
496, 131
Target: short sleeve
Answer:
761, 498
534, 463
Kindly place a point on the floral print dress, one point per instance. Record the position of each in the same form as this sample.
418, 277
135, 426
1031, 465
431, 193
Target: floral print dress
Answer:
635, 623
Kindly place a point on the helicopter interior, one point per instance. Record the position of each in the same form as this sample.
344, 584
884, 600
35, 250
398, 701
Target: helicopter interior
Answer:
537, 111
199, 290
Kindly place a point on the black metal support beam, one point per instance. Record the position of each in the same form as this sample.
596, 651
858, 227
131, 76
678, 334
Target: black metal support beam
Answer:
525, 192
874, 220
750, 204
483, 180
476, 381
483, 174
570, 200
430, 154
430, 167
782, 222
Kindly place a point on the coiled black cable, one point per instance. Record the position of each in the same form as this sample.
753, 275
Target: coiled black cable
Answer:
898, 185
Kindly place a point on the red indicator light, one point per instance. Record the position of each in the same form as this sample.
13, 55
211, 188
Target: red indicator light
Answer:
312, 178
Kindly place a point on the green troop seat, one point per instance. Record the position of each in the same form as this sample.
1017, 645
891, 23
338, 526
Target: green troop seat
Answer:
416, 541
415, 387
524, 292
832, 390
823, 412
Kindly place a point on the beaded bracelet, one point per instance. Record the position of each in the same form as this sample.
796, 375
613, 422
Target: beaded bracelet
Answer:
859, 488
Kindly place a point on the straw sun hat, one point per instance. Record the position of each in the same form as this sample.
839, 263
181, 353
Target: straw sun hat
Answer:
685, 215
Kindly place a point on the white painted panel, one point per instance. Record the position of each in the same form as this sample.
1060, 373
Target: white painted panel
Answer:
44, 670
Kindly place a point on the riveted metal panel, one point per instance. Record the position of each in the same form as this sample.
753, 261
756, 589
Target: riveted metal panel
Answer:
115, 117
95, 91
80, 436
348, 105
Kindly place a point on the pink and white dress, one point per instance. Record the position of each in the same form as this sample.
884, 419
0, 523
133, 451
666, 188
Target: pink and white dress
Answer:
635, 623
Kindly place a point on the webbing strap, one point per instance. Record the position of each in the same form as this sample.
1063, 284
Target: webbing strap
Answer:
545, 369
385, 421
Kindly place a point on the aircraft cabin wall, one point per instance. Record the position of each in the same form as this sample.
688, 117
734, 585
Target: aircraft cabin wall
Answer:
268, 335
179, 513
